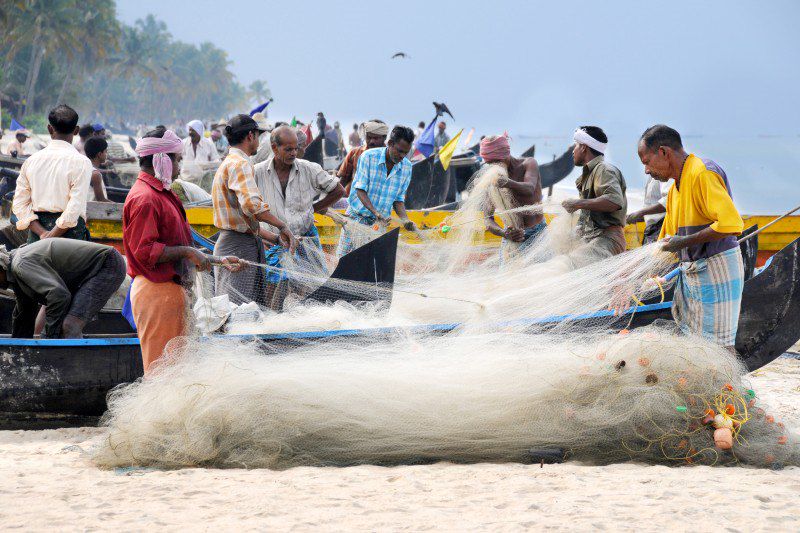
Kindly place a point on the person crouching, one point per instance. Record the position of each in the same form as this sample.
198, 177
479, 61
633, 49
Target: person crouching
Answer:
74, 280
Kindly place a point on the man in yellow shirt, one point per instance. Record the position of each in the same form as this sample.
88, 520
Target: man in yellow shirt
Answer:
700, 226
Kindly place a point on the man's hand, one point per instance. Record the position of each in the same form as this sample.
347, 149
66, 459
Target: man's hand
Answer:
382, 220
570, 205
502, 183
232, 263
409, 225
673, 243
198, 259
53, 233
287, 239
620, 300
514, 234
634, 217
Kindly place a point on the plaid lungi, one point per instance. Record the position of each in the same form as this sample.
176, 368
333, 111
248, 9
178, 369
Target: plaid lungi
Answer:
708, 296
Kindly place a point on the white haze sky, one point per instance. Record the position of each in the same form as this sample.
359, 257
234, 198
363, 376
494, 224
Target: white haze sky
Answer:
712, 67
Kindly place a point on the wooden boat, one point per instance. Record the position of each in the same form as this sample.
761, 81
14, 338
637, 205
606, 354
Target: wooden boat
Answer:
314, 151
66, 381
12, 163
373, 263
431, 185
557, 169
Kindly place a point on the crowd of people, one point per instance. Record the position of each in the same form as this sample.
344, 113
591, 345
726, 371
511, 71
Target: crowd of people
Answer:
264, 197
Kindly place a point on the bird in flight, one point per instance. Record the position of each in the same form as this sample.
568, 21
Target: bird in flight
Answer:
400, 55
441, 109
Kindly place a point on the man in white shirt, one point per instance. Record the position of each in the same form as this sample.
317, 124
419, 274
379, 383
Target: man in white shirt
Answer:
655, 207
196, 147
50, 198
294, 189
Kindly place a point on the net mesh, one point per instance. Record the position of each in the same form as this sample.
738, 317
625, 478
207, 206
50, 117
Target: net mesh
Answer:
491, 387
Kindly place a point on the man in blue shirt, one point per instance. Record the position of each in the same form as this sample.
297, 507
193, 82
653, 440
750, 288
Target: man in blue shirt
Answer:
379, 184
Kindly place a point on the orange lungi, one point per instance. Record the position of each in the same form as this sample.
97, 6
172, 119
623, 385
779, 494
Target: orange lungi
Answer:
159, 310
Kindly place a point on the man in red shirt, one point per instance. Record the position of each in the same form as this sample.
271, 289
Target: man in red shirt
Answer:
157, 240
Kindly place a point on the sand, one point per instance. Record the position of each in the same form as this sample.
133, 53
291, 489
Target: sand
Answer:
46, 482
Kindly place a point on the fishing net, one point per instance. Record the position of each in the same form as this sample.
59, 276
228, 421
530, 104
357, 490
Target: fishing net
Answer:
462, 360
465, 396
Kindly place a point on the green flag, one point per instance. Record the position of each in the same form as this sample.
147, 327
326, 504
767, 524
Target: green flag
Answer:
294, 122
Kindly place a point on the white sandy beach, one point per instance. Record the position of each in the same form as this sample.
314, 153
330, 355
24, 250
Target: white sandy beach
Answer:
48, 483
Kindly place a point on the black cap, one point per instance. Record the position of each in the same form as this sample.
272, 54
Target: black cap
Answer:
243, 122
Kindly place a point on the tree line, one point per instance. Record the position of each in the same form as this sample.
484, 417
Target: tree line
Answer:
78, 52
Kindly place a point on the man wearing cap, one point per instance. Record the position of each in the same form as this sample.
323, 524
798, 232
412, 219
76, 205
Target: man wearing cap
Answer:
524, 184
374, 132
50, 197
602, 202
238, 209
15, 148
295, 189
196, 147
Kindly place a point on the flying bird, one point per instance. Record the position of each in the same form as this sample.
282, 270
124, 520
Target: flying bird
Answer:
400, 55
441, 109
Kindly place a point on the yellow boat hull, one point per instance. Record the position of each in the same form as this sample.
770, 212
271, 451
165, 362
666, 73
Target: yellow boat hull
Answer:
108, 227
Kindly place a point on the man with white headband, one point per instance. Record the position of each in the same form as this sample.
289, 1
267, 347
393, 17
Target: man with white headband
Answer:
158, 246
602, 202
374, 133
197, 147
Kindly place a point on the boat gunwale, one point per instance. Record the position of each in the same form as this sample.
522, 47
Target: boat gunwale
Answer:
420, 328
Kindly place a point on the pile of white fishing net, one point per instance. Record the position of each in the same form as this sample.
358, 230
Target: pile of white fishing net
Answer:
492, 389
465, 396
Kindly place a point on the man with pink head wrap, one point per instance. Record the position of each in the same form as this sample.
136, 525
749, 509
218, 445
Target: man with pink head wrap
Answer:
523, 183
157, 240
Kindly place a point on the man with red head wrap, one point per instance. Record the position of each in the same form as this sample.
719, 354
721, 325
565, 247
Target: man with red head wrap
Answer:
523, 183
158, 246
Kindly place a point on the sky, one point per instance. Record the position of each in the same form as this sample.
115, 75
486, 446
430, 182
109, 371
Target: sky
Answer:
534, 68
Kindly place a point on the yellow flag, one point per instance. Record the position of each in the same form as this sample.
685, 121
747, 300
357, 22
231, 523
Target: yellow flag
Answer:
446, 151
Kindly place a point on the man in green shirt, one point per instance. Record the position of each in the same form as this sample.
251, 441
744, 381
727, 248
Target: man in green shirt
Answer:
602, 201
73, 279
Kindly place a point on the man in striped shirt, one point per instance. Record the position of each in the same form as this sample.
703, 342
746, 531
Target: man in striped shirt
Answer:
238, 209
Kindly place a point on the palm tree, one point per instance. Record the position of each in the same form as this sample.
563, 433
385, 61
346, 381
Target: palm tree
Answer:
47, 24
99, 25
259, 91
